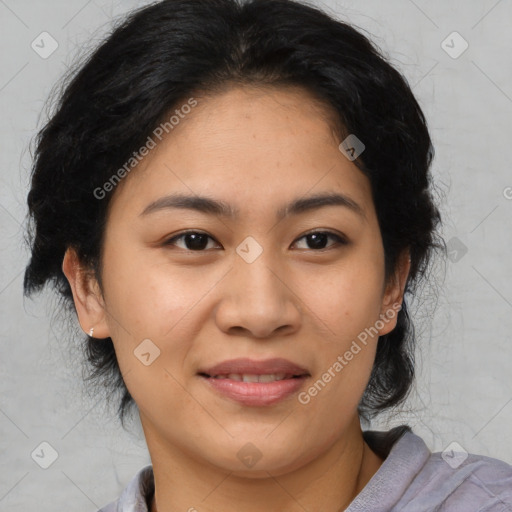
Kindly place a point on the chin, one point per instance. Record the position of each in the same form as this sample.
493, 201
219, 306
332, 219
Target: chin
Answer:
262, 459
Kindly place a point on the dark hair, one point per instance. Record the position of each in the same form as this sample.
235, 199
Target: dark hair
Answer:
169, 51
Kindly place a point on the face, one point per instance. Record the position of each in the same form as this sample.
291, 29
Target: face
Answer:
187, 286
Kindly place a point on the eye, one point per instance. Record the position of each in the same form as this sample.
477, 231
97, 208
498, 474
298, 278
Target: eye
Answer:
198, 241
193, 240
318, 239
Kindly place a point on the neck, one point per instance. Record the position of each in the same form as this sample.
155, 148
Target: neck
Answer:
329, 482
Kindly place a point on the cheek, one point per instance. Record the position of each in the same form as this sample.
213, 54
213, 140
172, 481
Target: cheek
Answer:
150, 308
350, 307
150, 299
347, 300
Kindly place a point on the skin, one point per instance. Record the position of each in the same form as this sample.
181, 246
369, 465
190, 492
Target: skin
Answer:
256, 149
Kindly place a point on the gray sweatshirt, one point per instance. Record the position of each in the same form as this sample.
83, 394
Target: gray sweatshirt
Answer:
411, 479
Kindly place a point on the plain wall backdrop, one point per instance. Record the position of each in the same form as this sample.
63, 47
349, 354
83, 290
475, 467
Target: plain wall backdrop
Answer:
463, 392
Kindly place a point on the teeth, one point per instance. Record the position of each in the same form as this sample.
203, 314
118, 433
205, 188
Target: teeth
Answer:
249, 378
271, 377
254, 378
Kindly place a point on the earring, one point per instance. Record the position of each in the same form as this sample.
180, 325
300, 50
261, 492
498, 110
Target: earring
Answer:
91, 332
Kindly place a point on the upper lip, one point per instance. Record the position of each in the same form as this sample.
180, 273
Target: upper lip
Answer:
252, 367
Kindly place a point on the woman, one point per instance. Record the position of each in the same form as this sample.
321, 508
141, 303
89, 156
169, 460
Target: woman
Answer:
284, 142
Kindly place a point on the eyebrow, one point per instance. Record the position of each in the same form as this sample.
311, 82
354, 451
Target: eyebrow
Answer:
219, 208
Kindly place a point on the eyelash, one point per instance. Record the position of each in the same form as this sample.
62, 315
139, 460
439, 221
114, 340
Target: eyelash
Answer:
340, 240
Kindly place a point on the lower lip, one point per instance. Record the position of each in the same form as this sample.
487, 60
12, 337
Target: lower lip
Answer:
256, 393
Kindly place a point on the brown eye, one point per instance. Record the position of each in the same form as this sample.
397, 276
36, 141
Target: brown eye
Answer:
192, 240
318, 240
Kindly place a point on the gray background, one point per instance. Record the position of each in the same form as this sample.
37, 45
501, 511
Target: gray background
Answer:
464, 389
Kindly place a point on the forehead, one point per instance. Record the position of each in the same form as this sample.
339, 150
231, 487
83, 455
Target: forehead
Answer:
248, 146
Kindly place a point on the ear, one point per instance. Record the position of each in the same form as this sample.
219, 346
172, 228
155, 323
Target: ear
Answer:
394, 293
87, 295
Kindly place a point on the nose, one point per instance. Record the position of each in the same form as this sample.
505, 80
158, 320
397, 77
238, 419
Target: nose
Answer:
257, 300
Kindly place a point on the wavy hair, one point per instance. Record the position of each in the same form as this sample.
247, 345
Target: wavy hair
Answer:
174, 49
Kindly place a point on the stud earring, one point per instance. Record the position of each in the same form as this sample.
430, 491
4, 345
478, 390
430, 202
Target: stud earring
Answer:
91, 332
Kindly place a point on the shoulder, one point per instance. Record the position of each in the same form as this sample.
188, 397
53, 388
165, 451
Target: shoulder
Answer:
111, 507
136, 494
412, 478
458, 481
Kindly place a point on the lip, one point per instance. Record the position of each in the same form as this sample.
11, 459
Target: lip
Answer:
254, 367
255, 394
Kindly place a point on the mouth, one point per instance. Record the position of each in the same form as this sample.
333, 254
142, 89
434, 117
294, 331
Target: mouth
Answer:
247, 377
255, 383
